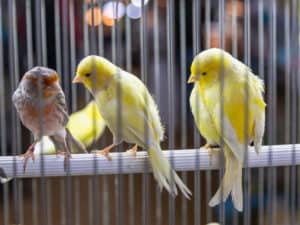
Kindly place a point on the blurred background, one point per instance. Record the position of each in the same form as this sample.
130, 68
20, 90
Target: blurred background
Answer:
156, 40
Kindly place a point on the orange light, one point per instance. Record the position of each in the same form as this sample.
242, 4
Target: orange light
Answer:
108, 21
239, 9
97, 16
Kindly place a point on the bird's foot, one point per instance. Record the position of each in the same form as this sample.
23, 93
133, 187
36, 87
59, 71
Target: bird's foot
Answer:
105, 151
28, 154
212, 151
133, 150
67, 155
63, 153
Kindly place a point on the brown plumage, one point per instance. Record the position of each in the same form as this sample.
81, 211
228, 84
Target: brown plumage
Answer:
41, 105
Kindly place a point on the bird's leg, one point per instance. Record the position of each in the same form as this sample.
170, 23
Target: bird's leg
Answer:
133, 150
105, 151
210, 148
206, 146
67, 155
28, 154
64, 153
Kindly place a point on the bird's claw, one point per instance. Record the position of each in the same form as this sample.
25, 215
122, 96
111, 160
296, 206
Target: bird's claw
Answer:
67, 155
133, 150
104, 152
64, 153
212, 151
26, 156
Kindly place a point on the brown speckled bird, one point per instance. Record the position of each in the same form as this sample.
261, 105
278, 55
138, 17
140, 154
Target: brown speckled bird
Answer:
41, 105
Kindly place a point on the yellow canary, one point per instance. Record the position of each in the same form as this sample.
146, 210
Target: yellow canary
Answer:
226, 117
86, 125
116, 90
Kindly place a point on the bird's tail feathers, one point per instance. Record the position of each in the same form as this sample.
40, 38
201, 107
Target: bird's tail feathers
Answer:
74, 145
165, 176
232, 182
237, 190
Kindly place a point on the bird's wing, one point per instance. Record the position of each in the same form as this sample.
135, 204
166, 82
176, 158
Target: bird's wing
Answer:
60, 102
229, 118
226, 129
140, 98
259, 111
259, 129
235, 115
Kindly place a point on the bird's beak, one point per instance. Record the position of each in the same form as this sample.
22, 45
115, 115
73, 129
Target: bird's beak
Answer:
192, 79
77, 79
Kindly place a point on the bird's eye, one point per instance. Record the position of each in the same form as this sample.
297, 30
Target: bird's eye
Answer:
87, 75
204, 73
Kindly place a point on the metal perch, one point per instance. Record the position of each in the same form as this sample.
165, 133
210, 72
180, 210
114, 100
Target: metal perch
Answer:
183, 160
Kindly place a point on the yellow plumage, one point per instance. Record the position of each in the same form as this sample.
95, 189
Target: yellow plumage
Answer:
86, 125
239, 126
138, 113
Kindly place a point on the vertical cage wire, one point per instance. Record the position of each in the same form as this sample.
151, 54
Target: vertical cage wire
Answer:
157, 87
6, 203
29, 45
295, 30
144, 77
261, 70
163, 59
234, 51
171, 102
14, 70
287, 101
45, 63
40, 43
247, 61
272, 111
95, 178
61, 46
208, 175
221, 42
183, 96
294, 177
131, 179
221, 24
197, 175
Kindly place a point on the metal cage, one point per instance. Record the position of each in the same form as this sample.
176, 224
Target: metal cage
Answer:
156, 40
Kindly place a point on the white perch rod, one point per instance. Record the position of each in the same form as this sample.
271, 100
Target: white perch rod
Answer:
184, 160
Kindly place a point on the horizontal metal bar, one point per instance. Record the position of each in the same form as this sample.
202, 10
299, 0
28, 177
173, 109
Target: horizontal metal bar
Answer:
184, 160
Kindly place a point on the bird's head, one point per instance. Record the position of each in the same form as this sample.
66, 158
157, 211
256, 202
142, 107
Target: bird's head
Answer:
94, 72
41, 79
208, 65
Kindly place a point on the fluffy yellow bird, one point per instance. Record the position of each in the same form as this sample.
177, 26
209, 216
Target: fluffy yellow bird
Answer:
139, 113
206, 105
86, 125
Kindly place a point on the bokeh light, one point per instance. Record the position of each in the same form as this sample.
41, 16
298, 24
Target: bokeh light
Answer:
139, 3
113, 10
133, 11
97, 16
107, 21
